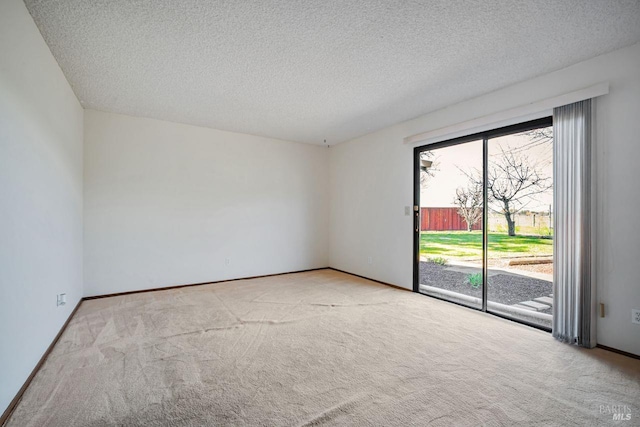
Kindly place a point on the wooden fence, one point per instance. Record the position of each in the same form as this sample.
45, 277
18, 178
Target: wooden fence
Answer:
448, 219
443, 219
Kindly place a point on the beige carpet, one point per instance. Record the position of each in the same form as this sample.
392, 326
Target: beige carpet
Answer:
317, 348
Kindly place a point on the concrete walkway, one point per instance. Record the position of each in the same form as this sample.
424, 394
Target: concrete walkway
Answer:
537, 304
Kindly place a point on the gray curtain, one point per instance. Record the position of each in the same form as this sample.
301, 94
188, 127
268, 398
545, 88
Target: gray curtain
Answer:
573, 291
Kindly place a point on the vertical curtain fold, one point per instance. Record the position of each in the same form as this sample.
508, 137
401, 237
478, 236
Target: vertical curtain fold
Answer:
573, 289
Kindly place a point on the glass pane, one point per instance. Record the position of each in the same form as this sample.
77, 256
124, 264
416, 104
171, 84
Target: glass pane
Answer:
451, 223
520, 230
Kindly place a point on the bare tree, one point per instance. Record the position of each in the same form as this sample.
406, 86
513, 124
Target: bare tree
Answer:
540, 136
469, 202
513, 181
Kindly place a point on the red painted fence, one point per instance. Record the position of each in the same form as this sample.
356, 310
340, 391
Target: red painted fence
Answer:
443, 219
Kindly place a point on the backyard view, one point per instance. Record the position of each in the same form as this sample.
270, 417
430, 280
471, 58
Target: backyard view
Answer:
519, 225
468, 245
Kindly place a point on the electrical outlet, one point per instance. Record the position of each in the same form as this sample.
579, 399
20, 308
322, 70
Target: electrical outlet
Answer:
227, 261
61, 299
635, 316
369, 260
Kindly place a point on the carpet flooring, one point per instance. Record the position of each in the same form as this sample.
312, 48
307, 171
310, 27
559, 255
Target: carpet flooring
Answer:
317, 348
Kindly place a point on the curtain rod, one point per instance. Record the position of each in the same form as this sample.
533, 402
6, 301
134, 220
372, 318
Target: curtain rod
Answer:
528, 111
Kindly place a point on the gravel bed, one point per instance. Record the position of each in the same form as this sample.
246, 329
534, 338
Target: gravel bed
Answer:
503, 288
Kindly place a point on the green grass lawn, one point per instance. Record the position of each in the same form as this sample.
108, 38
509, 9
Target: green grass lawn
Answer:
462, 244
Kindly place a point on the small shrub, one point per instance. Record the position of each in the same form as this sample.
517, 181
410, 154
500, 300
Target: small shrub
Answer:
438, 260
475, 280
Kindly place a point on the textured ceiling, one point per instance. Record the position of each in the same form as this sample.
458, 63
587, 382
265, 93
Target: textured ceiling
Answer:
318, 69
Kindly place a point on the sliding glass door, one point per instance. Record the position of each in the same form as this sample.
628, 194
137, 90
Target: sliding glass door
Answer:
483, 224
520, 233
451, 201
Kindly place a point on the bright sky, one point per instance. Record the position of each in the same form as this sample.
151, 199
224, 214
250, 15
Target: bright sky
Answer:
450, 162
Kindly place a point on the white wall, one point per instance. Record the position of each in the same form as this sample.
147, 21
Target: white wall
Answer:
40, 197
371, 182
167, 204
